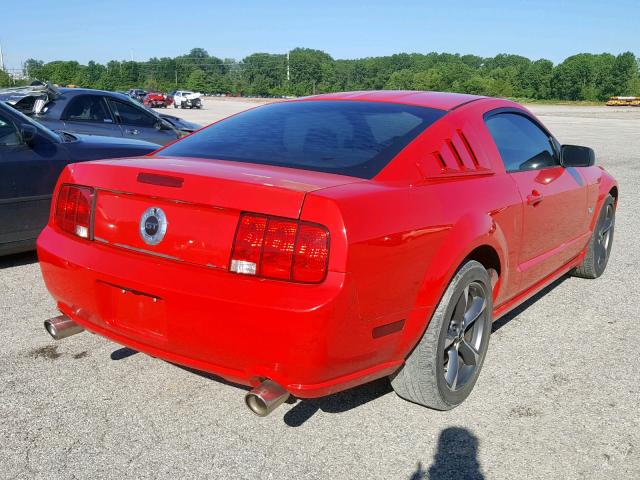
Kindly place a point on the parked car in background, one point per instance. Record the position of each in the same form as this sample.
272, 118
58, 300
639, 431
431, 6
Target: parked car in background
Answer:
94, 112
155, 100
309, 246
31, 159
137, 94
185, 99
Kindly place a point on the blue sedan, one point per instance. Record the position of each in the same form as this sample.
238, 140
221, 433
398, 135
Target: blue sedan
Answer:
96, 112
31, 159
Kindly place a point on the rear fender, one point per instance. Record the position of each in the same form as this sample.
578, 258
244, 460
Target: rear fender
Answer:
607, 183
471, 232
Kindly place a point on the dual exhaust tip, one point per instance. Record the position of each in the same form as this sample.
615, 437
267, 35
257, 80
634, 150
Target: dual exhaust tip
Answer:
265, 398
262, 400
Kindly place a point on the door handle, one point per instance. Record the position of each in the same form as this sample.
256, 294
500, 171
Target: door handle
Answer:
534, 198
133, 131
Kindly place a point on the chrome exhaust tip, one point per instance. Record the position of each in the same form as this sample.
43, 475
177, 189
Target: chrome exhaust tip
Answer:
265, 398
62, 327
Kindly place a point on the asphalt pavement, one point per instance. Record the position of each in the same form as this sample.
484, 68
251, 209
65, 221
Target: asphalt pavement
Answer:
557, 398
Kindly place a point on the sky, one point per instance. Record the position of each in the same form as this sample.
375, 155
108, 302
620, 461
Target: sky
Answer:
116, 30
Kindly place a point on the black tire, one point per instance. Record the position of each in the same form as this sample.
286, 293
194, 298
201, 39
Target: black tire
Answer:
424, 377
599, 248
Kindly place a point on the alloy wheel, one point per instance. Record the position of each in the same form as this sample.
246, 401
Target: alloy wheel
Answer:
465, 333
603, 240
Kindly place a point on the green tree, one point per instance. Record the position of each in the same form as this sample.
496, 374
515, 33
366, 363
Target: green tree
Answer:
5, 79
584, 77
306, 70
536, 79
401, 80
624, 74
579, 77
263, 72
33, 68
197, 81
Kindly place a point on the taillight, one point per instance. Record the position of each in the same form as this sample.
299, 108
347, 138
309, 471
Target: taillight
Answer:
73, 210
280, 248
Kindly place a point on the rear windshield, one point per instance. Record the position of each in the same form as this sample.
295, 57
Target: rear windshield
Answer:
344, 137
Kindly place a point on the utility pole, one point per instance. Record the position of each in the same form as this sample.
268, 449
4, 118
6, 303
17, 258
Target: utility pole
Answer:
1, 58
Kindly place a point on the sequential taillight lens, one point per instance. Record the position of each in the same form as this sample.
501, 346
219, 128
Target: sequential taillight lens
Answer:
73, 210
280, 248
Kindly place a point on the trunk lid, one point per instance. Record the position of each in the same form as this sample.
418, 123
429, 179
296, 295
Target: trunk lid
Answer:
200, 202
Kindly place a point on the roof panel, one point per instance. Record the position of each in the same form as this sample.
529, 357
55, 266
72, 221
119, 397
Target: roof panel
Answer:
440, 100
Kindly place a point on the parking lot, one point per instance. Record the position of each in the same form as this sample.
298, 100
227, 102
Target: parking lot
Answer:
557, 398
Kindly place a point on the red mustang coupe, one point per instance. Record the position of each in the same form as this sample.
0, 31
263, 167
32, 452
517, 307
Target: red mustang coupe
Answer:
309, 246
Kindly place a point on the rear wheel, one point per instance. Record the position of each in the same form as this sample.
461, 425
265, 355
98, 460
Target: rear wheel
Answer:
599, 248
443, 368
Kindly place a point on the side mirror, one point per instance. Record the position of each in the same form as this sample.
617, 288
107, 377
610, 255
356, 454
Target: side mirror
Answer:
577, 156
28, 133
163, 125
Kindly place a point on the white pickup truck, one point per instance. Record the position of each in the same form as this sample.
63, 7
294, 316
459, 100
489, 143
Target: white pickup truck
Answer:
184, 99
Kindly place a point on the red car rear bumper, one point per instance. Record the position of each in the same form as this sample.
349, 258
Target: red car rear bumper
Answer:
308, 338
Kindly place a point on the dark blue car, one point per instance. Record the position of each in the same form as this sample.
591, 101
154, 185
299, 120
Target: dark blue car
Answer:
96, 112
31, 159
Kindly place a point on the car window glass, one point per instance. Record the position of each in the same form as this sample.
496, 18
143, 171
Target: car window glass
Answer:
385, 127
302, 131
87, 108
349, 138
522, 144
9, 135
131, 115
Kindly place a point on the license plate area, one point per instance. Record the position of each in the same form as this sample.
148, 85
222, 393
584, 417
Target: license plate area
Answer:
131, 309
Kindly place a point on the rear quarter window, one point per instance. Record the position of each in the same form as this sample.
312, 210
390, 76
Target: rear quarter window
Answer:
344, 137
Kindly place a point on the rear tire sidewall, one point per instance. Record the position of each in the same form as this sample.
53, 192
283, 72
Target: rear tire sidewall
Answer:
475, 274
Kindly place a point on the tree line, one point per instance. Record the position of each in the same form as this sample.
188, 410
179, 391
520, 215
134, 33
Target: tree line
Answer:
303, 71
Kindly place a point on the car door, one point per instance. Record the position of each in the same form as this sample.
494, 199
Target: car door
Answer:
555, 218
136, 122
89, 115
28, 177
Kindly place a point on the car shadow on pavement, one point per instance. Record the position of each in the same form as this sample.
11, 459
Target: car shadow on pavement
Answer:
340, 402
355, 397
498, 324
122, 353
211, 376
456, 457
304, 409
126, 352
18, 259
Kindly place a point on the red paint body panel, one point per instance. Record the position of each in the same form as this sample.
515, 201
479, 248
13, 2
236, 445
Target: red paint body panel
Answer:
395, 242
444, 101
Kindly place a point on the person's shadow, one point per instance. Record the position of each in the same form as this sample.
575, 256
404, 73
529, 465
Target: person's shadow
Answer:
456, 457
